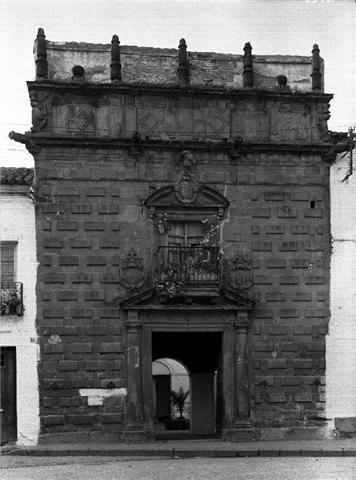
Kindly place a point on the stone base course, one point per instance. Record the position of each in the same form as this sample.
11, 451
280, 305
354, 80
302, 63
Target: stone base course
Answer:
193, 448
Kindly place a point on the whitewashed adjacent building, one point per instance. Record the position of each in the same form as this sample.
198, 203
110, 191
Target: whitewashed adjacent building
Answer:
18, 341
341, 341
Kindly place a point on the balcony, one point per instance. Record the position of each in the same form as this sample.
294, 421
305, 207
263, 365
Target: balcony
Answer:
193, 271
12, 298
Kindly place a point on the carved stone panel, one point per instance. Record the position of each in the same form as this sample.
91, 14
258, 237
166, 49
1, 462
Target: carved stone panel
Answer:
81, 119
211, 119
288, 123
151, 116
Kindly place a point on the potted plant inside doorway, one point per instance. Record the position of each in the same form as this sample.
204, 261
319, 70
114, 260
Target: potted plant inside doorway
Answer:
178, 401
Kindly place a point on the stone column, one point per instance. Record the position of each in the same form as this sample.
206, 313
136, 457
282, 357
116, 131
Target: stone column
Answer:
228, 363
242, 401
134, 419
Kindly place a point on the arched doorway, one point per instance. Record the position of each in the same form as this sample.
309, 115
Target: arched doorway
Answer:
171, 395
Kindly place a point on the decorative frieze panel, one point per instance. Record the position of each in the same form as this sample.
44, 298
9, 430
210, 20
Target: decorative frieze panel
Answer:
81, 120
288, 122
211, 119
159, 117
150, 114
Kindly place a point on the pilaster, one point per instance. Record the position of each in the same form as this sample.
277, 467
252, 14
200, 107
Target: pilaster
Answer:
134, 429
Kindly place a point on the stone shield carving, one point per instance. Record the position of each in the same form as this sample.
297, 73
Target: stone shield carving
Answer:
186, 187
132, 274
239, 276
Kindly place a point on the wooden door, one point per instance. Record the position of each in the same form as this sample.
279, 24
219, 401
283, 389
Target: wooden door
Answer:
8, 410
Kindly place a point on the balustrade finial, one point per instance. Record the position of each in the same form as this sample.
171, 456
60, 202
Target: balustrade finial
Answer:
41, 56
183, 63
248, 66
316, 64
115, 60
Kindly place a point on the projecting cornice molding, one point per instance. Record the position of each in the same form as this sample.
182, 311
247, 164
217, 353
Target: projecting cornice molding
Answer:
234, 149
88, 88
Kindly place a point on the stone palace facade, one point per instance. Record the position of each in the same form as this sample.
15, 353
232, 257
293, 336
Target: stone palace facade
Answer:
182, 211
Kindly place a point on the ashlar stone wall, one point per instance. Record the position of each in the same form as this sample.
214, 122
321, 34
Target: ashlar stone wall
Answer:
90, 214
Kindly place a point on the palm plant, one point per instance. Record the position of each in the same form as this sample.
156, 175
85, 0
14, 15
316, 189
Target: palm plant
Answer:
178, 399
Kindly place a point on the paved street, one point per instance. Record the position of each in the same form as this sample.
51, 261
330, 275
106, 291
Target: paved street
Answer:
129, 468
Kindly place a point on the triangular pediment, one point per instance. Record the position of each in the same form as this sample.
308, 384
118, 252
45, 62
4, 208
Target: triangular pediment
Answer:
223, 300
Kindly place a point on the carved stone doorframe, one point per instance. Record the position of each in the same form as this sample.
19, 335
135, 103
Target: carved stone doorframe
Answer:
236, 422
134, 428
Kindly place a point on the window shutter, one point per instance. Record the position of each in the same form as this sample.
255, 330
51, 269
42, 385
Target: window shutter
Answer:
7, 253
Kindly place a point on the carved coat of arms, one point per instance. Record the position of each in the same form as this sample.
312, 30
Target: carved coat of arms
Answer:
132, 274
186, 188
239, 275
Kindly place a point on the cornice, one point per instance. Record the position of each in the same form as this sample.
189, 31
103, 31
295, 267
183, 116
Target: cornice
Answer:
230, 147
87, 88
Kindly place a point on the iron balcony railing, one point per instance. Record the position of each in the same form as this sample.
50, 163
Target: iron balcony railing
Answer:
180, 266
12, 298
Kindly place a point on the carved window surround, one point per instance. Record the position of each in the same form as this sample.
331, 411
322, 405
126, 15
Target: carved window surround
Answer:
208, 202
183, 262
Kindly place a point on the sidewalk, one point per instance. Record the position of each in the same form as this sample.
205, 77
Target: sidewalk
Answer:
194, 448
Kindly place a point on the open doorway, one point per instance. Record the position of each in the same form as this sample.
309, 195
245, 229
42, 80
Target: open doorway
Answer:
182, 361
171, 395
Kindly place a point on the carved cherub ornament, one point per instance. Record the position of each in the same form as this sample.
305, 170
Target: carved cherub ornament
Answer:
39, 114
